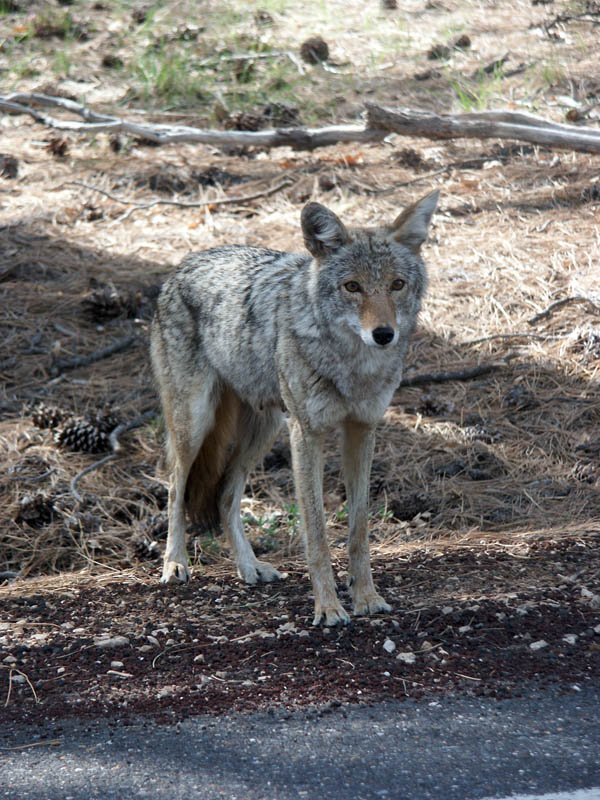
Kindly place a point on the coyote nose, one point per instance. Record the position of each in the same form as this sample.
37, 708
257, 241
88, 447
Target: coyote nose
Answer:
383, 336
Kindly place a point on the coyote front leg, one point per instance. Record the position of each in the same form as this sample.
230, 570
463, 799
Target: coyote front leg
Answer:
357, 457
307, 459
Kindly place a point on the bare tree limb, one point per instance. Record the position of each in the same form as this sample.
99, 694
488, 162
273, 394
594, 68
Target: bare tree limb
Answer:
128, 426
298, 138
64, 364
90, 468
456, 375
380, 123
117, 448
483, 125
218, 201
559, 304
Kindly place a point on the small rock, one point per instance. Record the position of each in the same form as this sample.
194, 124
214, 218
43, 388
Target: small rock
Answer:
145, 648
108, 643
592, 599
18, 678
538, 645
447, 610
389, 646
116, 665
287, 627
199, 659
10, 660
597, 629
570, 638
153, 640
406, 658
464, 629
166, 691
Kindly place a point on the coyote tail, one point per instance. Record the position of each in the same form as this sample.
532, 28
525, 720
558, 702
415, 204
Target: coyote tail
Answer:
206, 476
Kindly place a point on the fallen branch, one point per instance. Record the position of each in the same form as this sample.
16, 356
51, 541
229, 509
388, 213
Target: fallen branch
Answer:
116, 446
559, 19
65, 364
544, 337
181, 203
86, 471
483, 125
456, 375
559, 304
298, 138
380, 122
128, 426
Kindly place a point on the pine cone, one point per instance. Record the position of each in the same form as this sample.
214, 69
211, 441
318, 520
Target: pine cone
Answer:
314, 50
241, 121
36, 510
47, 416
58, 146
80, 435
103, 303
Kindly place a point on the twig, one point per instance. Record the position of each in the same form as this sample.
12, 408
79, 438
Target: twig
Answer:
541, 336
117, 448
128, 426
10, 683
456, 375
559, 304
182, 204
588, 16
91, 468
209, 203
63, 365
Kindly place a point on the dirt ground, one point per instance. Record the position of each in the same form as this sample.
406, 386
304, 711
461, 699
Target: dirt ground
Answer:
485, 502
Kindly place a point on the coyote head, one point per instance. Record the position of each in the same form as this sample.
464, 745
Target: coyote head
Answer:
372, 279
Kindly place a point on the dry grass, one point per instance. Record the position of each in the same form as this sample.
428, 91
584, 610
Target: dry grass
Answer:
506, 458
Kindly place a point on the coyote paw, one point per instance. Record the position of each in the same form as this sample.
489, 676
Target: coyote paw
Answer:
330, 615
258, 572
370, 604
175, 572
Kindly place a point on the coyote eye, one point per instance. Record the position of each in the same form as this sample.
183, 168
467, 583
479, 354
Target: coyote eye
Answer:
352, 286
398, 284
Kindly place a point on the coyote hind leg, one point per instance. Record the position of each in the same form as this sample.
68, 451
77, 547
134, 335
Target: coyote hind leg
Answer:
256, 431
189, 417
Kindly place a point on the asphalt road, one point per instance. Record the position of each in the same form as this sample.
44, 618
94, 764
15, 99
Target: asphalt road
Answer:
461, 748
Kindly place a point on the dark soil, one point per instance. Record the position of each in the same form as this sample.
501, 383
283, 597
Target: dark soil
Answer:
478, 621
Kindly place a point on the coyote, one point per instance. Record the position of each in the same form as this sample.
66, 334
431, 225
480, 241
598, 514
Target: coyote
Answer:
242, 334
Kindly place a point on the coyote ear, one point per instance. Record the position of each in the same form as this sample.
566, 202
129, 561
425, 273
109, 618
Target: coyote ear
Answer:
410, 227
323, 230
